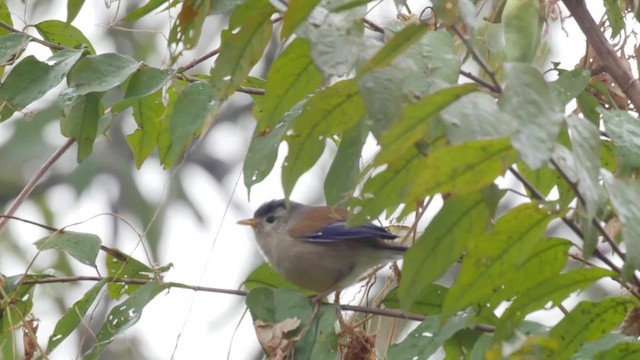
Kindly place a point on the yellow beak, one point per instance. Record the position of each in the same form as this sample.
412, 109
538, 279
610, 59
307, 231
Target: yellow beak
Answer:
251, 222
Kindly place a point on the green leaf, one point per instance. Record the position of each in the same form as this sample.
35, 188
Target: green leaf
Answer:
545, 260
296, 14
624, 131
543, 179
493, 260
624, 351
588, 321
585, 145
82, 246
615, 16
476, 117
398, 44
30, 79
73, 8
390, 187
460, 220
381, 92
187, 26
141, 11
146, 81
482, 345
343, 6
428, 302
552, 290
191, 110
342, 176
95, 73
263, 150
608, 342
436, 60
11, 44
80, 121
522, 22
570, 84
588, 104
429, 336
64, 34
329, 112
123, 266
71, 319
123, 316
301, 157
527, 98
5, 17
337, 40
416, 119
273, 306
325, 341
266, 276
463, 168
608, 157
292, 76
625, 198
240, 50
147, 111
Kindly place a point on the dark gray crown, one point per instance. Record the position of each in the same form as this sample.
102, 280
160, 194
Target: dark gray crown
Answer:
269, 207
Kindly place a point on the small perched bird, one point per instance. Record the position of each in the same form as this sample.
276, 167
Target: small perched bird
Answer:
312, 247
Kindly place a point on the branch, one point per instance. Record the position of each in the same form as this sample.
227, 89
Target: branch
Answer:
576, 229
373, 26
480, 81
496, 85
605, 235
202, 58
33, 38
374, 311
610, 60
33, 183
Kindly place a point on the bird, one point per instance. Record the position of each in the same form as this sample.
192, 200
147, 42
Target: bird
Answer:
313, 248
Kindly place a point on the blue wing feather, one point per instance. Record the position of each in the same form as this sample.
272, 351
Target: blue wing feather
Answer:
338, 231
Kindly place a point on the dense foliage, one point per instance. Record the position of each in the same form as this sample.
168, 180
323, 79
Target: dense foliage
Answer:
529, 167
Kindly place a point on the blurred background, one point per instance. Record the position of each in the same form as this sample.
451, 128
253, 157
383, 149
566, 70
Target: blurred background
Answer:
187, 213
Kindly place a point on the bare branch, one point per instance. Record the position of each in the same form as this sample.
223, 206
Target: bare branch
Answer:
610, 60
33, 183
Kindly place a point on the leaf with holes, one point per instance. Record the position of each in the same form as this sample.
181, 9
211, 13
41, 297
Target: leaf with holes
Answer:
123, 316
83, 247
71, 319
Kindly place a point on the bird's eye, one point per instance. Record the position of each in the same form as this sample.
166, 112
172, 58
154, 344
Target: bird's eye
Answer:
270, 219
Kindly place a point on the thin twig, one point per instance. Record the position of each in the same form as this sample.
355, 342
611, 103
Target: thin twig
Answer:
630, 288
367, 310
34, 182
596, 223
572, 184
477, 58
215, 52
373, 26
571, 224
202, 58
251, 91
33, 38
480, 81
